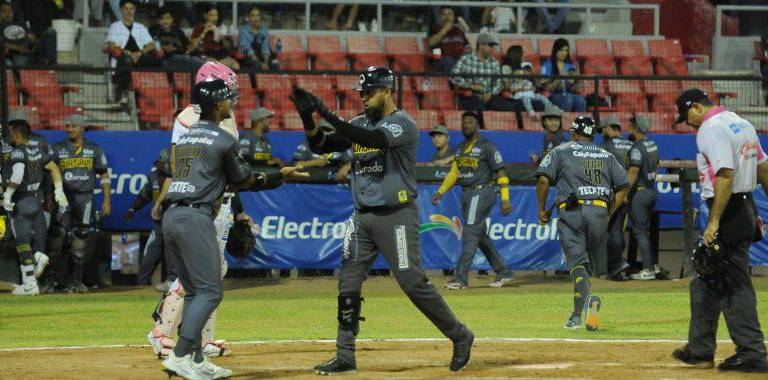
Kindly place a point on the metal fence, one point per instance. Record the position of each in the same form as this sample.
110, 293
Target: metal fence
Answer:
48, 95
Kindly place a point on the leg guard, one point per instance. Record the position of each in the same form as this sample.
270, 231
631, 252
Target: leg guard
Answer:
223, 222
27, 262
349, 312
167, 315
211, 346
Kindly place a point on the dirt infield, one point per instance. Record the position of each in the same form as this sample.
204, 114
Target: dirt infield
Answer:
379, 359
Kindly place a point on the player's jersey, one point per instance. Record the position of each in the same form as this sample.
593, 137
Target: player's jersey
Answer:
256, 150
150, 191
619, 148
335, 159
79, 164
552, 141
384, 177
583, 169
34, 170
439, 156
42, 142
478, 161
207, 160
188, 118
645, 155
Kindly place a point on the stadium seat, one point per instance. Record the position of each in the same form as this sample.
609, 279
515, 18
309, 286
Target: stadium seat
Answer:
292, 56
349, 114
663, 94
632, 58
405, 54
438, 100
595, 57
13, 91
668, 56
151, 108
627, 95
33, 116
544, 46
42, 90
525, 43
664, 122
274, 90
326, 53
182, 83
146, 82
365, 51
624, 118
708, 87
410, 99
291, 121
424, 84
425, 119
345, 87
452, 120
499, 121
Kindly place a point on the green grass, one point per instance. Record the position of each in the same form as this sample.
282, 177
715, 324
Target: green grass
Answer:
306, 309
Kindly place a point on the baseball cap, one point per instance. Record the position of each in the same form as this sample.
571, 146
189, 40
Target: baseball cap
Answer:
686, 99
485, 38
642, 123
439, 129
17, 114
552, 110
611, 121
527, 65
164, 156
260, 113
75, 119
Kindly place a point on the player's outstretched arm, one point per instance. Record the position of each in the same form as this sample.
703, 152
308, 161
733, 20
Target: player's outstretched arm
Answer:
320, 141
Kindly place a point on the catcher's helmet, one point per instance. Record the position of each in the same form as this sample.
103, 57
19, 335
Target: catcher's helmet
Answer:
376, 77
208, 93
585, 126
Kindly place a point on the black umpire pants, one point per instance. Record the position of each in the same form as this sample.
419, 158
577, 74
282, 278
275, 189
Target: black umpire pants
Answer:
734, 294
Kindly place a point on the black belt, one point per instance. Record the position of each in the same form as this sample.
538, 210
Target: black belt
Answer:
743, 196
478, 187
364, 210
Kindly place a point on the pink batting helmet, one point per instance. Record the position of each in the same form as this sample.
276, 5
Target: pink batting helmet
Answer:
216, 70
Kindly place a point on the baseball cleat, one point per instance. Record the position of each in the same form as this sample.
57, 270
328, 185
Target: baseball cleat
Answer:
684, 355
335, 366
592, 312
644, 275
573, 323
624, 266
461, 351
41, 261
216, 348
76, 287
738, 363
161, 344
501, 281
183, 367
212, 370
28, 289
455, 285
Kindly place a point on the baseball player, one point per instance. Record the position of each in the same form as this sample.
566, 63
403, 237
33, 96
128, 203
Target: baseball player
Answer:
167, 315
207, 161
730, 162
80, 161
552, 122
254, 144
386, 217
641, 175
586, 177
477, 160
153, 249
23, 201
619, 147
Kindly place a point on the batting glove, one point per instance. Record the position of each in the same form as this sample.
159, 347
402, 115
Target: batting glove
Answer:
60, 198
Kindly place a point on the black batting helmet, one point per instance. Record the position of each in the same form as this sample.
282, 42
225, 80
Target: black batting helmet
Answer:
585, 126
207, 94
376, 77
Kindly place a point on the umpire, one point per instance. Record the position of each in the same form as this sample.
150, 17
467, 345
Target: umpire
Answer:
476, 162
586, 177
386, 216
619, 147
730, 161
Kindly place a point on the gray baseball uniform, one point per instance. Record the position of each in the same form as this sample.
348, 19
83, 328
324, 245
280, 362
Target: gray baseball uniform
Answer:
28, 222
255, 150
153, 248
615, 243
645, 156
386, 220
207, 160
586, 177
335, 159
478, 161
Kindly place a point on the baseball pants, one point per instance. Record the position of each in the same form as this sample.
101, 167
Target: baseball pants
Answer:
640, 212
582, 231
476, 205
28, 227
395, 234
616, 242
189, 237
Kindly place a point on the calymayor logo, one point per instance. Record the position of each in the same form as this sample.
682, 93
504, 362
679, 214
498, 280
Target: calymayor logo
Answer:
438, 221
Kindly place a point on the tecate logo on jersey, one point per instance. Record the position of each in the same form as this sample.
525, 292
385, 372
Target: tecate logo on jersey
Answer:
125, 183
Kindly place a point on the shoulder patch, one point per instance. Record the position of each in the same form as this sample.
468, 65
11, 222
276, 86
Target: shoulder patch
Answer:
545, 162
497, 157
395, 129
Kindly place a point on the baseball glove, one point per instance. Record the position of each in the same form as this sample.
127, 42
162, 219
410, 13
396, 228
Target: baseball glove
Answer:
708, 261
241, 240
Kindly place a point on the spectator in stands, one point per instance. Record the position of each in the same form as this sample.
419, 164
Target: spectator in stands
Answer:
173, 43
333, 22
560, 63
38, 16
447, 41
443, 155
211, 39
481, 92
524, 90
512, 59
19, 41
553, 23
552, 122
499, 19
253, 42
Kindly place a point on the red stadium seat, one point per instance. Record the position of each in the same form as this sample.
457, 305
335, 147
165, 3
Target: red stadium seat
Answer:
182, 83
314, 82
663, 122
663, 93
410, 100
146, 82
592, 47
13, 91
345, 85
597, 60
500, 121
635, 66
525, 43
669, 57
545, 48
438, 100
423, 84
405, 54
365, 51
327, 53
151, 108
292, 56
624, 118
632, 58
425, 119
291, 121
269, 81
349, 114
628, 48
627, 95
277, 99
452, 120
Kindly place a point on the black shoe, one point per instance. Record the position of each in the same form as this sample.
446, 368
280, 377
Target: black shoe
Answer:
738, 363
684, 355
335, 366
461, 351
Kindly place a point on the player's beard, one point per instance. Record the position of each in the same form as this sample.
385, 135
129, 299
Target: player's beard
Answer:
373, 113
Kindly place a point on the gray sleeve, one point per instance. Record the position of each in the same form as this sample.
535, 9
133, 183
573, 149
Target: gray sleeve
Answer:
100, 161
234, 166
495, 160
635, 156
549, 166
400, 132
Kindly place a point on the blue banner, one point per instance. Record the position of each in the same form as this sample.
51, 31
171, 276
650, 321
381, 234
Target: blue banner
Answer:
309, 233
